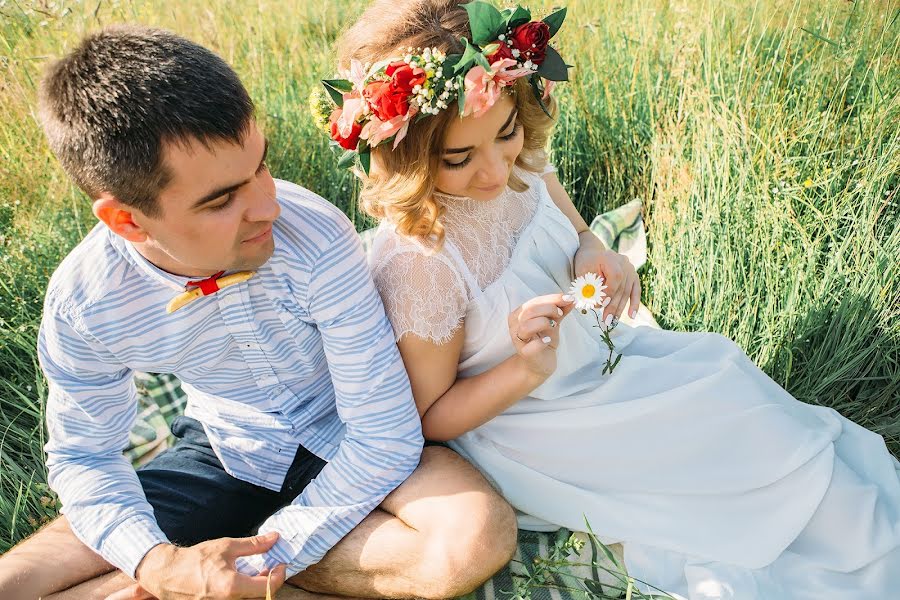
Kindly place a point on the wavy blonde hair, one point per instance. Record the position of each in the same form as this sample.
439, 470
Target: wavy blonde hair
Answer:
402, 188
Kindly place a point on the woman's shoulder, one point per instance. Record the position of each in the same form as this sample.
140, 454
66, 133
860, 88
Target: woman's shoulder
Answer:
389, 247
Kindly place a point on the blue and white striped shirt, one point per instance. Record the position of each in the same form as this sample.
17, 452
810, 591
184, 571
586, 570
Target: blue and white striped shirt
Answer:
302, 353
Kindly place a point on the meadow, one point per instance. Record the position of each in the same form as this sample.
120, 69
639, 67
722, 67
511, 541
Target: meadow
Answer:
763, 138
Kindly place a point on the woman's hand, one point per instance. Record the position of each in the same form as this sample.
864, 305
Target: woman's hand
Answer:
534, 330
619, 275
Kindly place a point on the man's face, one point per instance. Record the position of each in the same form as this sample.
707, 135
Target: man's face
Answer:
217, 210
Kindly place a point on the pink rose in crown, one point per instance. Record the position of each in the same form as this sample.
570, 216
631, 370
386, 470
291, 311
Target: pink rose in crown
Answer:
483, 87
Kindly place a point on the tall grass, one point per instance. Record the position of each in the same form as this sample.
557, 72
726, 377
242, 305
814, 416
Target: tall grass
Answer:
762, 137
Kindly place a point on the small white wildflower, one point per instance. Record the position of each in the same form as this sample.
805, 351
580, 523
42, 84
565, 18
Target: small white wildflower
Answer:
588, 291
515, 52
501, 37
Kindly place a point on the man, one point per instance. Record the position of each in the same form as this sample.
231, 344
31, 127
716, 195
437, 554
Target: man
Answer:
300, 420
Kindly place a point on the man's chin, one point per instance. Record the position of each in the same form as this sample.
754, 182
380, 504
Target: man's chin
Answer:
258, 259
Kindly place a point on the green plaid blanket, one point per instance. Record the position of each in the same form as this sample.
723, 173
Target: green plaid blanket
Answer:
161, 399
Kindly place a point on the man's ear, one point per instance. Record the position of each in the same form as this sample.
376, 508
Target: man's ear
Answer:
119, 217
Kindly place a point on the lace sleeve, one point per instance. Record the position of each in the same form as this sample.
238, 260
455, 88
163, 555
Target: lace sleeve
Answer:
422, 294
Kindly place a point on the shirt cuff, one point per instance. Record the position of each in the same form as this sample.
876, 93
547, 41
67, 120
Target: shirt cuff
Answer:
127, 544
280, 554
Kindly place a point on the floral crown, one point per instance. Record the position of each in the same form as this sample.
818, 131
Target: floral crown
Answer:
376, 104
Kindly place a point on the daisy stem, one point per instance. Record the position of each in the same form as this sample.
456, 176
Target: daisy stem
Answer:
604, 335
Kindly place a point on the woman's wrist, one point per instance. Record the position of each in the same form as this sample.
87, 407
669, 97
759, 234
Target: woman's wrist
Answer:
588, 237
529, 378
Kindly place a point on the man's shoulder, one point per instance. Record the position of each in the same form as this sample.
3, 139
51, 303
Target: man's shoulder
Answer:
309, 224
93, 269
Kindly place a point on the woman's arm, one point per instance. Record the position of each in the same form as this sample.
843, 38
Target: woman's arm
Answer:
450, 406
561, 199
623, 284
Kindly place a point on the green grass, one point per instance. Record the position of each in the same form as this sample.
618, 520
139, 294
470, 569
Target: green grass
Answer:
762, 137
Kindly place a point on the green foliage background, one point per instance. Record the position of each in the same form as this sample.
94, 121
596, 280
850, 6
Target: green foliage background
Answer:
762, 137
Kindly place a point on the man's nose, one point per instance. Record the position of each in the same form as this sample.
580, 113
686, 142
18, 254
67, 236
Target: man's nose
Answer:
263, 205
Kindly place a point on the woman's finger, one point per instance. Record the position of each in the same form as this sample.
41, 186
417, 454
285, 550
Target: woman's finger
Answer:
623, 293
635, 300
546, 310
615, 303
537, 326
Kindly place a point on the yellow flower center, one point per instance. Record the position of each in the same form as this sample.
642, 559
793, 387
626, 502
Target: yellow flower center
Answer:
588, 291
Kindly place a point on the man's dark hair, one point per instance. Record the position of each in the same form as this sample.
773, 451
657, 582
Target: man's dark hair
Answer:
110, 105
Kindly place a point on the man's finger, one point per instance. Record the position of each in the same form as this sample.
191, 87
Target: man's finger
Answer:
248, 546
255, 586
132, 592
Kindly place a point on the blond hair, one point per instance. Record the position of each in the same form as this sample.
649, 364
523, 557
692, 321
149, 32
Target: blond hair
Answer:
402, 188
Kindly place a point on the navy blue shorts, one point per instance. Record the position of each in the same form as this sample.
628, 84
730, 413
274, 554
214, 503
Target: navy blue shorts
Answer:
195, 500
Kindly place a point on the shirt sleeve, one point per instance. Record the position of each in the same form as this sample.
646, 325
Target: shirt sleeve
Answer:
383, 440
91, 407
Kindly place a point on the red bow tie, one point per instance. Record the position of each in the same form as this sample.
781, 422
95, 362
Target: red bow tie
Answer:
206, 287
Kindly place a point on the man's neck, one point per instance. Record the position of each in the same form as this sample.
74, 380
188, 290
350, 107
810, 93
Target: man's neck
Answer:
165, 262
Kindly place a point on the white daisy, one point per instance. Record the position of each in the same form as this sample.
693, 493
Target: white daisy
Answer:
588, 291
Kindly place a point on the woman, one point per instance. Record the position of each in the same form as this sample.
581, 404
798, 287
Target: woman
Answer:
717, 482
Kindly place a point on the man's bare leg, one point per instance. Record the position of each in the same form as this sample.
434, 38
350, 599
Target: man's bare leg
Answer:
51, 559
439, 535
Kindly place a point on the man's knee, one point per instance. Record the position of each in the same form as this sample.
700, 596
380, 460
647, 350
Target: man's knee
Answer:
474, 536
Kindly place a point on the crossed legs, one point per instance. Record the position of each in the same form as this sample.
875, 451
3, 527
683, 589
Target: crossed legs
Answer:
440, 534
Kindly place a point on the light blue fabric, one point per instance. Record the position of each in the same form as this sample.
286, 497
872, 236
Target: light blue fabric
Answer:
302, 353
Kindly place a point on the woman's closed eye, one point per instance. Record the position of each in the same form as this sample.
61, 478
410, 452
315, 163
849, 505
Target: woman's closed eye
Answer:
459, 165
503, 138
509, 136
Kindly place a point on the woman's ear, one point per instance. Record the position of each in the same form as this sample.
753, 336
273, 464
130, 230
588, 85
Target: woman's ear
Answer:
119, 217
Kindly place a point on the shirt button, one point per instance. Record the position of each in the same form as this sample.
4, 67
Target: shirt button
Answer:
278, 389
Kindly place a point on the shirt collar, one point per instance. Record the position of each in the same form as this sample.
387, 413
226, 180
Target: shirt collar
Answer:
127, 249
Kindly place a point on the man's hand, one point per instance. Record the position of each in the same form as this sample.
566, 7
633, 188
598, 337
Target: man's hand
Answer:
205, 571
622, 283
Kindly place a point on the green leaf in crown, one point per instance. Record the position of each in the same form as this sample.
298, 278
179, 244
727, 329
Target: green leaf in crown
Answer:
485, 22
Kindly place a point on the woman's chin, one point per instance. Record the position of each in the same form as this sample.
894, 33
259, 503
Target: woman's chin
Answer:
486, 194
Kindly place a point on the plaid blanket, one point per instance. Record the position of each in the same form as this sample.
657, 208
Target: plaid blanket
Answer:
535, 570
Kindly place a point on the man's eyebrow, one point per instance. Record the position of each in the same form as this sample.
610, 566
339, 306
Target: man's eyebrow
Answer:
218, 192
509, 119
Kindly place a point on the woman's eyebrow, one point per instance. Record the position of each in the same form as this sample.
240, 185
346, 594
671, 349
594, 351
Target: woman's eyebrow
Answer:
509, 119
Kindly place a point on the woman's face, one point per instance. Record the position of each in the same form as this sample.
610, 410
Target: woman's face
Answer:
479, 153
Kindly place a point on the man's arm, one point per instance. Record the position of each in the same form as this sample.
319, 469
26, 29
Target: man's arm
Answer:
383, 439
91, 407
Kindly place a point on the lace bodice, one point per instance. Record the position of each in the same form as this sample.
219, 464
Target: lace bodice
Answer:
426, 293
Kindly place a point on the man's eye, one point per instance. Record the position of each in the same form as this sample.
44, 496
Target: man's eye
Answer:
223, 204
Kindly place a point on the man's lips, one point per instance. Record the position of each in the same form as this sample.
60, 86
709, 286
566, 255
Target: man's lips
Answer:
262, 236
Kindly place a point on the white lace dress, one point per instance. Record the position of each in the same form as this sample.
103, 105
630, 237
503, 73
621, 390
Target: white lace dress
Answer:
718, 483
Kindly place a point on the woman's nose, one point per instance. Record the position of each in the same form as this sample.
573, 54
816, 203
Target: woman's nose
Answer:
496, 168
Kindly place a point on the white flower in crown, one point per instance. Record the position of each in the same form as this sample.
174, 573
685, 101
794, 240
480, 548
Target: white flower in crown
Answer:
588, 291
